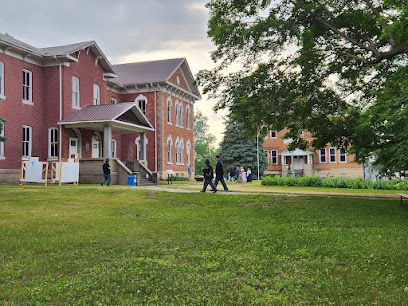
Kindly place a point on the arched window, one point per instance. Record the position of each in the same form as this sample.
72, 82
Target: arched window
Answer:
169, 150
177, 151
181, 151
169, 105
52, 143
137, 142
188, 149
181, 114
188, 117
141, 102
96, 95
176, 107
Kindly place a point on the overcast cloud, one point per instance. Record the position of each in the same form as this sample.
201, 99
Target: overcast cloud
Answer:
126, 31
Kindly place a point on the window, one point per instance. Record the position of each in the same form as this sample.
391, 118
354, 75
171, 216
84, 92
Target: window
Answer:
52, 143
27, 132
113, 148
273, 134
332, 152
342, 155
169, 149
177, 151
181, 152
169, 105
188, 149
188, 117
1, 79
181, 115
274, 157
177, 113
75, 92
96, 95
113, 101
322, 153
27, 86
2, 144
141, 102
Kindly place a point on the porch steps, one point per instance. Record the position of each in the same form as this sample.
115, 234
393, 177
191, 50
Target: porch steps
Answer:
142, 181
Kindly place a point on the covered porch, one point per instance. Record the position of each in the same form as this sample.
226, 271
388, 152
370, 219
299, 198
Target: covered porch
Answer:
297, 163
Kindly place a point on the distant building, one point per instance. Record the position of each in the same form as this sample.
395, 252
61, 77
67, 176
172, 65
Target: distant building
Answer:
326, 162
69, 100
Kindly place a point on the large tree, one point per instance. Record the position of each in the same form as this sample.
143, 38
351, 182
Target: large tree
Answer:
317, 65
239, 151
203, 142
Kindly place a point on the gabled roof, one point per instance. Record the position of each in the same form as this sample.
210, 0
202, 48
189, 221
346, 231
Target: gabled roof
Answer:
123, 116
153, 72
63, 51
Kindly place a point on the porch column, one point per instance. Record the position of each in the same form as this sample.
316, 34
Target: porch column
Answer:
142, 143
107, 141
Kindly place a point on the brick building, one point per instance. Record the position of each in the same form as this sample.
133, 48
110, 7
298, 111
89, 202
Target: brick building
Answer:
69, 100
326, 162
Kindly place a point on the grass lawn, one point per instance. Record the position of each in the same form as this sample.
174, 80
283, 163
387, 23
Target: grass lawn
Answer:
120, 245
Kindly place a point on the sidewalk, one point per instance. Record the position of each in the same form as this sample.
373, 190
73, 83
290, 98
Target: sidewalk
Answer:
294, 193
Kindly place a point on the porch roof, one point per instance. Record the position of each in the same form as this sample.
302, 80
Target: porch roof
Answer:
296, 152
124, 118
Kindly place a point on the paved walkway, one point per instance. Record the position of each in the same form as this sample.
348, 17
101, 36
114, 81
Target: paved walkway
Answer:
294, 193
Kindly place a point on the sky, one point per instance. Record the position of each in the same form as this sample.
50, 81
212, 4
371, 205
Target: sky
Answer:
126, 31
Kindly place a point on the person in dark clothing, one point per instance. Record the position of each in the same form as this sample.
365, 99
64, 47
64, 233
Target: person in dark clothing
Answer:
219, 173
106, 173
208, 176
249, 175
232, 174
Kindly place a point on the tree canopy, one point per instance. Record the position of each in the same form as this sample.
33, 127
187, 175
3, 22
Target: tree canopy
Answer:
203, 142
333, 68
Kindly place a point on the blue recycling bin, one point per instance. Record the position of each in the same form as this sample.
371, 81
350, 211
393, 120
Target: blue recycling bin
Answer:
132, 180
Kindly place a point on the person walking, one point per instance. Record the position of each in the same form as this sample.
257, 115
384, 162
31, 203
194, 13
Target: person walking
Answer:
208, 177
219, 173
106, 173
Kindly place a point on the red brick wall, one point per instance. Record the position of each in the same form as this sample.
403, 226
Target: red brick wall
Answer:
173, 79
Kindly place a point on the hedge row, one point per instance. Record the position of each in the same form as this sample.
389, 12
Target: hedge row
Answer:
313, 181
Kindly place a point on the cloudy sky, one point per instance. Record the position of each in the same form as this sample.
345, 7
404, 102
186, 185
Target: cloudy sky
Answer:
126, 31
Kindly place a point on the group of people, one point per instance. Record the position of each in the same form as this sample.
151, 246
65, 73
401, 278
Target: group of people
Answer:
240, 175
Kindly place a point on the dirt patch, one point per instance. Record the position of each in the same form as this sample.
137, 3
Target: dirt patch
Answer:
187, 204
131, 215
151, 193
269, 204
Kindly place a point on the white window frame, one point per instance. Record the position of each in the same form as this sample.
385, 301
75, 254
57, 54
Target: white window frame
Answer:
2, 153
176, 107
188, 112
113, 147
113, 101
188, 151
181, 152
29, 86
342, 154
323, 155
53, 141
177, 151
96, 94
181, 114
276, 157
332, 154
29, 142
169, 150
275, 132
2, 80
141, 98
75, 93
169, 106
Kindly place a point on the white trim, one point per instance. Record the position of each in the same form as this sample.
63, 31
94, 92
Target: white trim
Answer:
330, 155
52, 141
188, 152
114, 146
273, 137
75, 93
276, 157
2, 80
188, 117
139, 99
169, 150
345, 156
113, 101
29, 86
169, 112
2, 152
181, 110
96, 94
325, 156
176, 110
29, 141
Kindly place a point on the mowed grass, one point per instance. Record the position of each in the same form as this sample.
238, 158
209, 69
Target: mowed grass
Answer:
121, 245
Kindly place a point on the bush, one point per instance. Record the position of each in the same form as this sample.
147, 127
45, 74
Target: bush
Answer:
313, 181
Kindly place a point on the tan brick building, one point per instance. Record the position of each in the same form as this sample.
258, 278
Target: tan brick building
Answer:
326, 162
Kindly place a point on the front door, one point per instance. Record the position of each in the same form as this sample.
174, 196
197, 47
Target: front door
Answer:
96, 149
73, 146
298, 162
